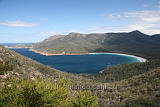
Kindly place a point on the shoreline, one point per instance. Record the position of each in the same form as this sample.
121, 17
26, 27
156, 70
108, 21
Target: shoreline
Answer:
48, 54
16, 47
137, 57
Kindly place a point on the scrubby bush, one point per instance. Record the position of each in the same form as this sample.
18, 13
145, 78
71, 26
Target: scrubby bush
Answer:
85, 99
42, 93
4, 68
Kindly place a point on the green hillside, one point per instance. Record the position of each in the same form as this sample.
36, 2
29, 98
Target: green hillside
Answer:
135, 43
17, 66
27, 83
130, 85
125, 85
140, 90
125, 71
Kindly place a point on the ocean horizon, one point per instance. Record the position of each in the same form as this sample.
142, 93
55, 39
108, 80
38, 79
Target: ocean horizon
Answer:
10, 44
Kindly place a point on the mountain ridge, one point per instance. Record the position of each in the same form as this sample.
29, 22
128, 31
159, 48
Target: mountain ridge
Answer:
134, 42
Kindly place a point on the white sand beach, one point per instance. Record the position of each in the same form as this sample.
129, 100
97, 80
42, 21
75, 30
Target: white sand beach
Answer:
139, 58
47, 54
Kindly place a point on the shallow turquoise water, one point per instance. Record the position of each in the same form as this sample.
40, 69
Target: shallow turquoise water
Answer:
92, 63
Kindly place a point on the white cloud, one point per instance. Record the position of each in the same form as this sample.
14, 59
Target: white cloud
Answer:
104, 29
146, 21
17, 23
146, 16
54, 32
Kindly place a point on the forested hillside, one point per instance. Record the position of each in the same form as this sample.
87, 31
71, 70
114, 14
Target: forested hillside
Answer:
24, 80
27, 83
142, 90
15, 65
130, 85
134, 42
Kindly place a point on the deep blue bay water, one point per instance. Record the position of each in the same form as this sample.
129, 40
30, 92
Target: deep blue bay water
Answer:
92, 63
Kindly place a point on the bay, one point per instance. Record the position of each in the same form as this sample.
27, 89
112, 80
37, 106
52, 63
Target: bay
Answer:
91, 63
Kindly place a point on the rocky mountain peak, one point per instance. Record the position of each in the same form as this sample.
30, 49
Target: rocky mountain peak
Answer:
136, 32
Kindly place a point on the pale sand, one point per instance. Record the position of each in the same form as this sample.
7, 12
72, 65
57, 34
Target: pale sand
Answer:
139, 58
48, 54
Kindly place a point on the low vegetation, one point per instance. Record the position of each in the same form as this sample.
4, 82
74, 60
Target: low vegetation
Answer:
4, 68
125, 71
24, 83
42, 93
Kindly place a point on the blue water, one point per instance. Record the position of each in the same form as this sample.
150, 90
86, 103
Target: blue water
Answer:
10, 44
92, 63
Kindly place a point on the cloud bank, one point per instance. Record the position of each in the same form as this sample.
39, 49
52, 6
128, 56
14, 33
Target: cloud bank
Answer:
146, 21
17, 23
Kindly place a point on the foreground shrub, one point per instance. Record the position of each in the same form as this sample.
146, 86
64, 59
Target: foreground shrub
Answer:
40, 93
85, 99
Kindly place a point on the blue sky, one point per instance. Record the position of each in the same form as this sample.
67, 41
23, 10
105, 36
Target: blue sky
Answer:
35, 20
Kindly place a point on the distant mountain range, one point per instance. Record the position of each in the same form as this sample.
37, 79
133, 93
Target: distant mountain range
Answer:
134, 42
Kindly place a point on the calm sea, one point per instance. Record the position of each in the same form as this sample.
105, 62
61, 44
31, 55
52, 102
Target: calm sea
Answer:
79, 63
10, 44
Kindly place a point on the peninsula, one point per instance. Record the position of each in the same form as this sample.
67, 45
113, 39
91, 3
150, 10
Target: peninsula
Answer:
134, 43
